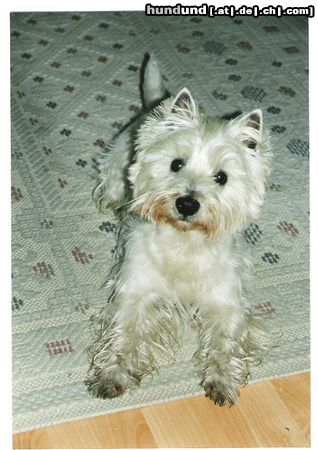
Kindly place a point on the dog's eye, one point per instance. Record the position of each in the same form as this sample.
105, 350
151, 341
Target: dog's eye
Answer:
177, 165
221, 177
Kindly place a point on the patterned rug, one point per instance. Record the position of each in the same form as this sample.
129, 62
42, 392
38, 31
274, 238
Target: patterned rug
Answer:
75, 80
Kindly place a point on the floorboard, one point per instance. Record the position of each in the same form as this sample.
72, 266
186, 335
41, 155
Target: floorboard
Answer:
269, 414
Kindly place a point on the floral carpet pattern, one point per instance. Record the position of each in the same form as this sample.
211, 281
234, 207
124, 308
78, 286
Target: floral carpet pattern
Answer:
75, 79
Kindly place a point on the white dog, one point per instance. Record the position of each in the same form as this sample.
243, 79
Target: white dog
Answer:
185, 186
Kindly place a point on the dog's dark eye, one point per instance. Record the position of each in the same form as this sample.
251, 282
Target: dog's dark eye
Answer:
221, 177
177, 165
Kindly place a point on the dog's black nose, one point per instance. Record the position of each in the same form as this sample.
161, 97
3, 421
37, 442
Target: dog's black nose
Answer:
187, 205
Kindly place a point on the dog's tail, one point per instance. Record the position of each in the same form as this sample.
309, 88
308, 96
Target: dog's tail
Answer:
152, 86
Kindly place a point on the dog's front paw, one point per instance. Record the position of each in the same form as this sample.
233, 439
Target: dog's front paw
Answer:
108, 383
104, 388
219, 393
111, 383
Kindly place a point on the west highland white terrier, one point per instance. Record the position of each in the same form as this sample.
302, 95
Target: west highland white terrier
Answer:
185, 186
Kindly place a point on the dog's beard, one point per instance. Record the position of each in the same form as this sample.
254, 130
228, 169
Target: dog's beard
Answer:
158, 208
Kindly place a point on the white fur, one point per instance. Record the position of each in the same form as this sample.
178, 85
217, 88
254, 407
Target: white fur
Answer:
170, 264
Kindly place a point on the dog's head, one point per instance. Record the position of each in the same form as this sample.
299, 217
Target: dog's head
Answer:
196, 173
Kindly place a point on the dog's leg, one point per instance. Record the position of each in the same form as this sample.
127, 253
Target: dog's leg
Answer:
113, 164
112, 368
222, 356
125, 346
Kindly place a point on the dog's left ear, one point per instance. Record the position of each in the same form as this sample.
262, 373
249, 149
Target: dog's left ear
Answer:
184, 104
251, 125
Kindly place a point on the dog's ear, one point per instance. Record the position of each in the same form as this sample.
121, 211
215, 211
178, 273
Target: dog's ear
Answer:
184, 104
251, 126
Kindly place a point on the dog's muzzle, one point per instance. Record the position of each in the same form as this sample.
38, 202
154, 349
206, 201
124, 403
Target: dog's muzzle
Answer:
187, 205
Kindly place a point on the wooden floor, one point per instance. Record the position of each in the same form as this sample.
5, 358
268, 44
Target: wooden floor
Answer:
269, 414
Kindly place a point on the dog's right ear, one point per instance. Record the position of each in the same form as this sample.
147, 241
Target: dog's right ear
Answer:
251, 128
184, 104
